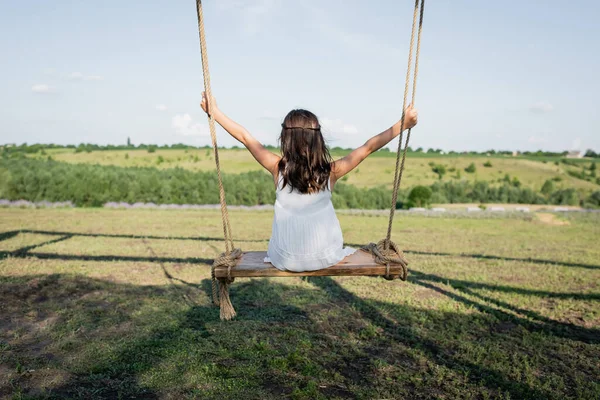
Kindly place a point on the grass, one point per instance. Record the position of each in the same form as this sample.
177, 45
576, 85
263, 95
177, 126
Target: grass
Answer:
114, 304
375, 171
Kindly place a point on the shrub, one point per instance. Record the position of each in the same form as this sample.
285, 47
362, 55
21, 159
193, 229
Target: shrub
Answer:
594, 199
547, 188
439, 169
487, 164
127, 156
565, 197
471, 168
151, 148
420, 196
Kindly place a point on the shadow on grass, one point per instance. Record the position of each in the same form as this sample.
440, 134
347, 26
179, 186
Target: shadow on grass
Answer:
66, 235
101, 339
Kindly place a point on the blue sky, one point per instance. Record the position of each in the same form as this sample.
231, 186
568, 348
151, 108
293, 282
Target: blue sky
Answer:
493, 74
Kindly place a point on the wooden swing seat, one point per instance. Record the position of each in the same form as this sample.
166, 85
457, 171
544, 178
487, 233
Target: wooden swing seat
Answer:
361, 263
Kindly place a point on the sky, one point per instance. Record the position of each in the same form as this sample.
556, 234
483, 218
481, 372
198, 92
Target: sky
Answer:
514, 75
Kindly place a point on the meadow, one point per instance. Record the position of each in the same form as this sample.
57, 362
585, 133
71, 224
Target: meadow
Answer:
107, 304
375, 171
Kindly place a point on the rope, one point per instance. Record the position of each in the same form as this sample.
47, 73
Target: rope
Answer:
383, 250
229, 258
388, 253
221, 298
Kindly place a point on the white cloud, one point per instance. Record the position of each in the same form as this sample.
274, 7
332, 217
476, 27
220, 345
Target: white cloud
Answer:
42, 88
161, 107
185, 126
541, 107
337, 126
536, 140
78, 76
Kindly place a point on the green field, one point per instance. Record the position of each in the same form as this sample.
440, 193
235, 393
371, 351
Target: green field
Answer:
109, 304
375, 171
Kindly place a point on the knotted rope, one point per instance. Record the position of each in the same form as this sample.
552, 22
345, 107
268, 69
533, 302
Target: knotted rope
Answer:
388, 253
387, 247
231, 255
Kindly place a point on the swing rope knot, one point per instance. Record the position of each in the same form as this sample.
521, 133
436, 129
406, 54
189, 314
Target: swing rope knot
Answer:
387, 252
221, 296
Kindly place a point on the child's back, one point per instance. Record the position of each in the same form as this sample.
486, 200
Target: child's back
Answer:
306, 233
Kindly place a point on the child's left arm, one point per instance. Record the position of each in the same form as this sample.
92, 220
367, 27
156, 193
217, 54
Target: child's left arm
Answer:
264, 157
344, 165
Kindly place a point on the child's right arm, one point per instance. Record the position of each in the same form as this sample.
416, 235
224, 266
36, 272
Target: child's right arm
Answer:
264, 157
344, 165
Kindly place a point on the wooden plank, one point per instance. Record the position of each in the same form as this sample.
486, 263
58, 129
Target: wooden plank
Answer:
360, 263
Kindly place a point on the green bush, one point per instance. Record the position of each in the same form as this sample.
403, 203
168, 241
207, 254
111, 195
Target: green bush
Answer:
471, 168
594, 199
487, 164
420, 196
439, 169
151, 149
547, 188
568, 197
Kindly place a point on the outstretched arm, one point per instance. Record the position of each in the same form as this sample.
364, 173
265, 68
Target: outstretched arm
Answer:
344, 165
264, 157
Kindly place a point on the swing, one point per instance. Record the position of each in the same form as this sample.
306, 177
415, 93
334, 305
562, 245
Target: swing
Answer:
376, 259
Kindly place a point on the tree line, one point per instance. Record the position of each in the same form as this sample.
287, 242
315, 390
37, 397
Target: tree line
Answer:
7, 149
94, 185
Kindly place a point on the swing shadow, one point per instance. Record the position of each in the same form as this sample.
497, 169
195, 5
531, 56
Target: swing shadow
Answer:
265, 318
67, 235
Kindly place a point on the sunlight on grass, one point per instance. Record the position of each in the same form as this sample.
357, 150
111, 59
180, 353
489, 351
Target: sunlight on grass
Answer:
116, 304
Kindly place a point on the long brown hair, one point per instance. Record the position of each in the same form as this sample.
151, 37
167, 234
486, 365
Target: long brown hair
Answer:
305, 162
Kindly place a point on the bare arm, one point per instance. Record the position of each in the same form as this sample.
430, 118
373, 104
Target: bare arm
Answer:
344, 165
264, 157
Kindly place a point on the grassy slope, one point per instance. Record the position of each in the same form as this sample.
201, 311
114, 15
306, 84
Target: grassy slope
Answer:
494, 308
375, 171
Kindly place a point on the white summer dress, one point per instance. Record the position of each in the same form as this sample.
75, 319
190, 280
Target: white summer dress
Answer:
306, 233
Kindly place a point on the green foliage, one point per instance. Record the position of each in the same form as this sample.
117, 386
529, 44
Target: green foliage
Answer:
516, 182
594, 200
94, 185
127, 156
487, 164
547, 188
439, 169
420, 196
471, 168
151, 149
568, 197
160, 160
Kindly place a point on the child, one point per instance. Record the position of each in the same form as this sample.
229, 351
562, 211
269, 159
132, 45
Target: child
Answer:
306, 233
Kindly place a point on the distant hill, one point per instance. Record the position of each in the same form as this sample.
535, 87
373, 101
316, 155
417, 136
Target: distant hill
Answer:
377, 170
